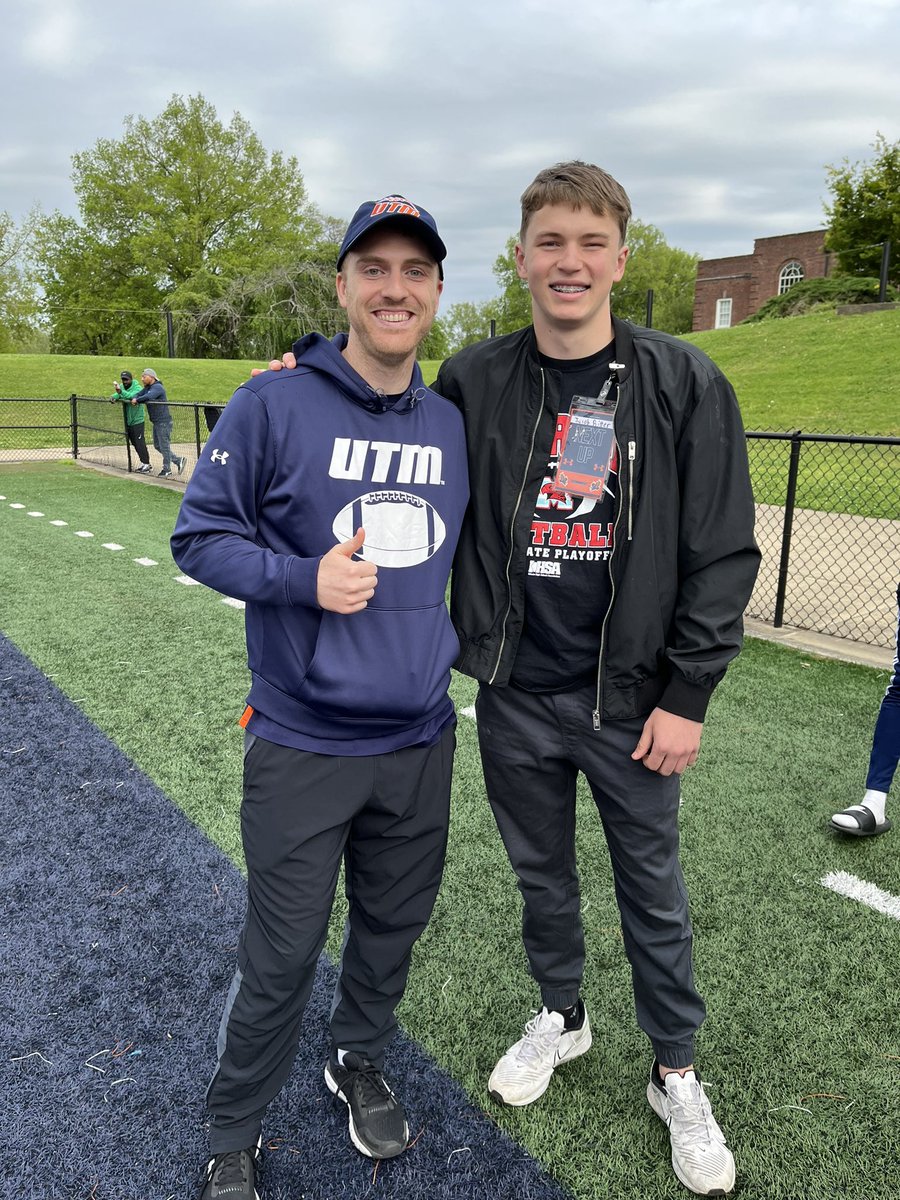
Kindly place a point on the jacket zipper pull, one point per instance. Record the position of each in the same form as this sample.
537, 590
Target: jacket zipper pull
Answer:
596, 719
632, 453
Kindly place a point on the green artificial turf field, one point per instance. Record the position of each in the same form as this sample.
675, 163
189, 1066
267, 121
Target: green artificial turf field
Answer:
800, 1047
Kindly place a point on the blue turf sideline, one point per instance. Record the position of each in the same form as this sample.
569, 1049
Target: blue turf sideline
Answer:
120, 925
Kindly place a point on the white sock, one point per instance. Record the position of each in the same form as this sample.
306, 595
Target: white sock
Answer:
874, 801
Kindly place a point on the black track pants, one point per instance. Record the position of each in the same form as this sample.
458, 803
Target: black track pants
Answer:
532, 748
387, 817
137, 439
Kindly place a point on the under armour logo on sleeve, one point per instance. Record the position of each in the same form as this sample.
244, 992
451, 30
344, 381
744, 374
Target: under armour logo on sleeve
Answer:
219, 456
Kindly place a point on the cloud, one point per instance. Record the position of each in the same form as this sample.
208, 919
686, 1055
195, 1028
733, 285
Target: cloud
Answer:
719, 119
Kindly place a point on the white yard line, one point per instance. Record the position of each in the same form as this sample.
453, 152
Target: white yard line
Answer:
142, 562
866, 893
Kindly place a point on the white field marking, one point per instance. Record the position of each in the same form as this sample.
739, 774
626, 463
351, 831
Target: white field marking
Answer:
187, 581
2, 497
469, 712
146, 562
112, 546
59, 522
17, 506
866, 893
82, 533
35, 514
234, 603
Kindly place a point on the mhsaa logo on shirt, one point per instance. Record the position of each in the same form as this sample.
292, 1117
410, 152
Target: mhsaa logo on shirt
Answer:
402, 530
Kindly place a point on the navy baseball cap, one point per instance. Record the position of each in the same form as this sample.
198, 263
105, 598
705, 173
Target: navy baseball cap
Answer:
415, 220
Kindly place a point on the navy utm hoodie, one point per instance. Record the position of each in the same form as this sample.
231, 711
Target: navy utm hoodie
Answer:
298, 461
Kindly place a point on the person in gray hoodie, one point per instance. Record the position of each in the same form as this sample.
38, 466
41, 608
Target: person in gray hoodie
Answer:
153, 394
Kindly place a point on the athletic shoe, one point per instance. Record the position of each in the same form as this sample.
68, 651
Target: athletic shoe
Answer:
232, 1175
378, 1125
144, 469
182, 462
523, 1073
700, 1158
165, 474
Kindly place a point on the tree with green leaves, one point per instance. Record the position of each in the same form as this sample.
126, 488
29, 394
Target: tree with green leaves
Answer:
172, 214
865, 211
19, 315
670, 272
467, 323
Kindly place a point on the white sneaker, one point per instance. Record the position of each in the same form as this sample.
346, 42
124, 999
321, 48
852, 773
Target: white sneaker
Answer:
700, 1158
524, 1071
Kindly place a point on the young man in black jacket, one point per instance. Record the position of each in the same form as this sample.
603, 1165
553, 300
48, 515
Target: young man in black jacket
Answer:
598, 588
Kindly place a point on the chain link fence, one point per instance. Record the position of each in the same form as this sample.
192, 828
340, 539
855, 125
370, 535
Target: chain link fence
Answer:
827, 512
828, 526
92, 429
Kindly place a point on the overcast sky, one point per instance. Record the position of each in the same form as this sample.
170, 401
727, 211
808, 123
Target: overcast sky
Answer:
718, 117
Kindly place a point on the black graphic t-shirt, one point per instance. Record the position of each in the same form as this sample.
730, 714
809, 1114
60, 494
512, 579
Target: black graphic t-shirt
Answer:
567, 589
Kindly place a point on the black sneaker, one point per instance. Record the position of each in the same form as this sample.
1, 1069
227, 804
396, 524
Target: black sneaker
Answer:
232, 1175
165, 474
182, 463
378, 1125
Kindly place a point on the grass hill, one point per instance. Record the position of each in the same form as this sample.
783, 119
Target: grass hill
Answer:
817, 372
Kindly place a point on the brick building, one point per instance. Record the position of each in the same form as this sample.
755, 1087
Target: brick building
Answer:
729, 289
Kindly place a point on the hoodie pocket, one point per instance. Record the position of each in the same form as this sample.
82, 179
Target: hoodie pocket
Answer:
380, 664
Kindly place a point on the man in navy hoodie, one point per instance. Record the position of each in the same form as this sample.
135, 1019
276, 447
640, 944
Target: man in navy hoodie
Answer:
329, 499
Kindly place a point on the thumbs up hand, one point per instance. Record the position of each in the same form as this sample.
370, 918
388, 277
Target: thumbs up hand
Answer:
342, 584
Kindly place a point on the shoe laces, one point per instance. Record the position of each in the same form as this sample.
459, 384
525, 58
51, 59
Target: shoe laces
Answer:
370, 1083
231, 1167
690, 1110
541, 1037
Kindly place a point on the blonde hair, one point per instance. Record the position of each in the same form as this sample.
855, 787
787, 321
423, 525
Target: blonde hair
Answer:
580, 185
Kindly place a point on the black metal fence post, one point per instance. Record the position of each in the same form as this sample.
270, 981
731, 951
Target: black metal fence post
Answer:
649, 308
197, 428
885, 267
73, 405
790, 501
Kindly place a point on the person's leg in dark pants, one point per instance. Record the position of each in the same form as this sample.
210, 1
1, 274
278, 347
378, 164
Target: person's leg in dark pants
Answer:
138, 440
869, 817
162, 436
639, 811
295, 819
530, 783
394, 861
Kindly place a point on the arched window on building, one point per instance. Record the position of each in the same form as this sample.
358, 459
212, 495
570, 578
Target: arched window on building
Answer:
789, 274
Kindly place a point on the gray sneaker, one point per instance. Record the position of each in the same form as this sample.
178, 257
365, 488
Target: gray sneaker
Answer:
700, 1158
182, 463
523, 1074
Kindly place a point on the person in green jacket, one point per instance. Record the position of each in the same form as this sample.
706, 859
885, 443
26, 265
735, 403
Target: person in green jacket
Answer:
134, 418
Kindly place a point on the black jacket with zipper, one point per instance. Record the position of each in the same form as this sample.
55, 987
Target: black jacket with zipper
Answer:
684, 559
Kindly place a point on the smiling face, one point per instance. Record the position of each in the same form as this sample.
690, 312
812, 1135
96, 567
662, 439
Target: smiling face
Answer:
390, 287
570, 258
